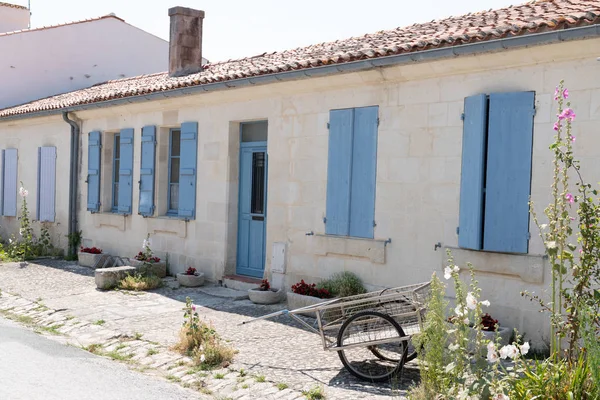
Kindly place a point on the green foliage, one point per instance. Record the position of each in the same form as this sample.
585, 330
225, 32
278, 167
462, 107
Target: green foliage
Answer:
200, 341
431, 342
74, 243
139, 282
343, 284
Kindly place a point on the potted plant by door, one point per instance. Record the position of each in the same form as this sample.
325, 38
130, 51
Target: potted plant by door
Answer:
90, 257
264, 294
145, 260
190, 278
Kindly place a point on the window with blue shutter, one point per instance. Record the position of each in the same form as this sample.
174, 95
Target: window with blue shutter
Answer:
351, 172
187, 170
125, 171
9, 195
147, 165
496, 172
46, 195
115, 172
93, 175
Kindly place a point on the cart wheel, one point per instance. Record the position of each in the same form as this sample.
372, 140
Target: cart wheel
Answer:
377, 362
383, 351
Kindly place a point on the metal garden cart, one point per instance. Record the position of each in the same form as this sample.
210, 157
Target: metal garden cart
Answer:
371, 332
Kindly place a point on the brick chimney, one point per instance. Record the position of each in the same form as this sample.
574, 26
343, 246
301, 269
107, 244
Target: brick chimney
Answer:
185, 45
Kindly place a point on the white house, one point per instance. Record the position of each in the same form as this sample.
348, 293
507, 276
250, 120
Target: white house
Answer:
50, 60
366, 154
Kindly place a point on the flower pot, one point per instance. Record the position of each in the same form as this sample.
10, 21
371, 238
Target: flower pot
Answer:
190, 280
295, 301
159, 269
270, 296
91, 260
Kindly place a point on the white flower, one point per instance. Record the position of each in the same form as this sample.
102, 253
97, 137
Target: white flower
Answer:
23, 192
471, 301
21, 232
500, 396
145, 244
524, 348
455, 269
543, 226
202, 358
551, 245
458, 311
485, 303
463, 394
453, 347
9, 240
509, 351
491, 346
466, 320
492, 356
447, 273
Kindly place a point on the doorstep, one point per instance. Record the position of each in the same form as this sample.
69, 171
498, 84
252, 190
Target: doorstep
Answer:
239, 282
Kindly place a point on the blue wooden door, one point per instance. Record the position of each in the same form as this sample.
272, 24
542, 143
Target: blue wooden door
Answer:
252, 220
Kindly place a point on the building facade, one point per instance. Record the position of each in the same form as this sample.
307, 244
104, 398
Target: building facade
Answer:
376, 169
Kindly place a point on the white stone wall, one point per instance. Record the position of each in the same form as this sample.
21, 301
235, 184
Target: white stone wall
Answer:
13, 18
57, 60
27, 138
418, 171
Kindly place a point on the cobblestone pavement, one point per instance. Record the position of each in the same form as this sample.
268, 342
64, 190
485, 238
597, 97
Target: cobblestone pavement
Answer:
59, 298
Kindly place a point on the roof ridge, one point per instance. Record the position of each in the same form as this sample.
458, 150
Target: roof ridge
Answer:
82, 21
536, 16
10, 5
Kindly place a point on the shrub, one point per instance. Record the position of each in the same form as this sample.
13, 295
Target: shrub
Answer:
343, 284
91, 250
306, 289
139, 282
200, 341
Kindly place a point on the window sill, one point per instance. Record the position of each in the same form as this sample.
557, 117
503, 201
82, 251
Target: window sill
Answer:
528, 267
332, 245
167, 224
109, 219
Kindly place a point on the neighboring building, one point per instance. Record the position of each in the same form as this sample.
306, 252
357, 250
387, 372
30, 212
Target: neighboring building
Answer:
50, 60
13, 17
338, 156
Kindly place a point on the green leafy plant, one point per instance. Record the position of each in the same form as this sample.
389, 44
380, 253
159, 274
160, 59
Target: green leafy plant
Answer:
139, 282
200, 341
343, 284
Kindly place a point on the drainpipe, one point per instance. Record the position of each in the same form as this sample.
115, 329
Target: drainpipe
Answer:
73, 174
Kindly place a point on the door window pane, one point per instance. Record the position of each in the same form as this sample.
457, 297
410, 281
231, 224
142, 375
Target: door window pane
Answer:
254, 131
174, 161
116, 166
258, 183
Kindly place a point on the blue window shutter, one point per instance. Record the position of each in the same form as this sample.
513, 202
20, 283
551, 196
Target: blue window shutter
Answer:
46, 183
10, 183
508, 180
339, 170
472, 177
126, 171
187, 170
93, 179
146, 206
364, 172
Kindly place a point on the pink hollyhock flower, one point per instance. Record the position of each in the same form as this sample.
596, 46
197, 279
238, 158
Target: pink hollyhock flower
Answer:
556, 93
566, 93
556, 126
572, 138
567, 114
569, 197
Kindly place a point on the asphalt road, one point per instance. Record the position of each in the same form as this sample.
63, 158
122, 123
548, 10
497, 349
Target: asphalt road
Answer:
33, 367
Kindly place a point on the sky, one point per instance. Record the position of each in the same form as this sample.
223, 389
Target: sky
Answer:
243, 28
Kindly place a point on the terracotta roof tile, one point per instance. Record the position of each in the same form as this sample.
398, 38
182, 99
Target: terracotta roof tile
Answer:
12, 5
532, 17
42, 28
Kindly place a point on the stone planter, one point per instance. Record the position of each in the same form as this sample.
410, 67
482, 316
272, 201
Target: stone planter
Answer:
270, 296
108, 278
159, 269
295, 301
91, 260
191, 280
